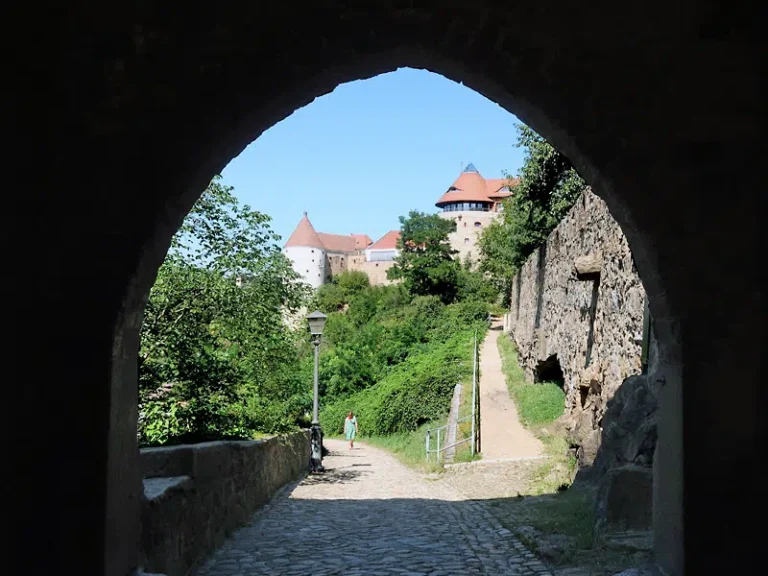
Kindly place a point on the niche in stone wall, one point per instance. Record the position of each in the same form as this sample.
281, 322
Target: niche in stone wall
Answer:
549, 370
592, 316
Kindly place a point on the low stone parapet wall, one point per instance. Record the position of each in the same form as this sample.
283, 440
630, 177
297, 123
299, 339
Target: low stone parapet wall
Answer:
195, 495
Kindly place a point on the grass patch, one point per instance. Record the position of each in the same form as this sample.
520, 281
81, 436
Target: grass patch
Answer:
408, 447
558, 470
570, 513
537, 404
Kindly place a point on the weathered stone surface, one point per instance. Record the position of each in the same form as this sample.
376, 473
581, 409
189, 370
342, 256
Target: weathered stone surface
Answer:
589, 264
593, 324
185, 516
551, 547
629, 428
629, 540
624, 500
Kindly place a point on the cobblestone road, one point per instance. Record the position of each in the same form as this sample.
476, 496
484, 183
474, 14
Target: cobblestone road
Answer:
370, 515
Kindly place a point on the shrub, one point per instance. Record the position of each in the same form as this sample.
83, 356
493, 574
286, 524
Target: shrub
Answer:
414, 392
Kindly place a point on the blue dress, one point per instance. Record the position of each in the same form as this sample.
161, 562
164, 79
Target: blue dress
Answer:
350, 428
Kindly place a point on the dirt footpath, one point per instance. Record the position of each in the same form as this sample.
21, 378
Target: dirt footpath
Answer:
502, 435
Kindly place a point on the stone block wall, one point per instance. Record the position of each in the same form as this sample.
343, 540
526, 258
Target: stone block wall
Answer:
336, 263
195, 495
469, 225
376, 271
579, 299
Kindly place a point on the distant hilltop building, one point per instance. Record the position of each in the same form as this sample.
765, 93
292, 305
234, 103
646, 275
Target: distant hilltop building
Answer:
317, 256
472, 202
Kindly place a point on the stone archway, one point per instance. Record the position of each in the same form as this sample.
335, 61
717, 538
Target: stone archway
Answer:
131, 109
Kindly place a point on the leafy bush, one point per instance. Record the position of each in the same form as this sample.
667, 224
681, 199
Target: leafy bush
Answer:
414, 392
216, 359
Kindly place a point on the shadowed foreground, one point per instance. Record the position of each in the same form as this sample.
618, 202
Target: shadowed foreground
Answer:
371, 515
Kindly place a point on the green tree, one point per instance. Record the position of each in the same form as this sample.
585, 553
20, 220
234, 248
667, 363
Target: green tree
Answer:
213, 343
426, 264
340, 291
547, 188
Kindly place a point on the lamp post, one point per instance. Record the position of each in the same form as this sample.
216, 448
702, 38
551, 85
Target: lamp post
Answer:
316, 322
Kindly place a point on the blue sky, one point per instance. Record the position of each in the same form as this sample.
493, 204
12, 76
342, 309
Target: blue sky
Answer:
372, 150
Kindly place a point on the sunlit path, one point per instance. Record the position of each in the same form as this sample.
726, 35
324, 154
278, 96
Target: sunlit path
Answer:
371, 515
501, 433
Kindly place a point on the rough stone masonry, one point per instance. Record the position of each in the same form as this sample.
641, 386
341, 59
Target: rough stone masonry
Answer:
577, 306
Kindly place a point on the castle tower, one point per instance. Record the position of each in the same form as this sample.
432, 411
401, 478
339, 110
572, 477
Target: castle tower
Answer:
307, 253
472, 202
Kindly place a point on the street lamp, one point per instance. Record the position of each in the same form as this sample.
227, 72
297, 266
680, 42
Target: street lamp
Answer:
316, 324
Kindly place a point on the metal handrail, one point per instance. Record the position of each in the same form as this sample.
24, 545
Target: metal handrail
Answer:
474, 416
444, 448
437, 428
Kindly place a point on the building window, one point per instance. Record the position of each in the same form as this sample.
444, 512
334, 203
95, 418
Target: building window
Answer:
477, 224
313, 251
307, 271
466, 240
465, 224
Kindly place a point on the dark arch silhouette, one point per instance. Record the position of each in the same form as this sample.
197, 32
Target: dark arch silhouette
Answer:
123, 112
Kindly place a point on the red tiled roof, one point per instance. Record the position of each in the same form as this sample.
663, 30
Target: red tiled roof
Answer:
495, 185
304, 235
337, 242
388, 241
470, 186
362, 241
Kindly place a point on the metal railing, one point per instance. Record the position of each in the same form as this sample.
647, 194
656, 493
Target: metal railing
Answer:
440, 432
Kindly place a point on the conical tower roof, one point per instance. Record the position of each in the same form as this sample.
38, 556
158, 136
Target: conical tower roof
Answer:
470, 186
304, 235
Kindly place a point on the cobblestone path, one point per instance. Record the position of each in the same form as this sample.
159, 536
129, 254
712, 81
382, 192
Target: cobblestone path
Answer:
370, 515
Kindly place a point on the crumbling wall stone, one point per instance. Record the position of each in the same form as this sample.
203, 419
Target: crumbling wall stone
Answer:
579, 298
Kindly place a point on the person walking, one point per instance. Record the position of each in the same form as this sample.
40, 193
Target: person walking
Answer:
350, 429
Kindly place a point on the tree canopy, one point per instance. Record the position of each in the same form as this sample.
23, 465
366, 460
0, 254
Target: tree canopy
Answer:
426, 264
214, 346
548, 186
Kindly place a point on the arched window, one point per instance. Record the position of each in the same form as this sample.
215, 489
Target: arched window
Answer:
477, 224
466, 240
